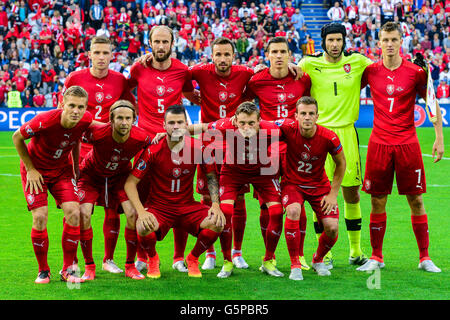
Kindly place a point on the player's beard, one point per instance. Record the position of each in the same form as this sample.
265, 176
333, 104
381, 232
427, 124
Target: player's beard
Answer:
164, 57
177, 135
223, 68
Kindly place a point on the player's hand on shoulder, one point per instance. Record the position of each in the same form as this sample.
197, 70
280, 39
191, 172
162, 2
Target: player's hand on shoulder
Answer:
259, 67
296, 71
34, 181
438, 150
145, 60
159, 136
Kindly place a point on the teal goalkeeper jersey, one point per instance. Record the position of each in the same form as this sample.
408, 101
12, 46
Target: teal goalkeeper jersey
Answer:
336, 87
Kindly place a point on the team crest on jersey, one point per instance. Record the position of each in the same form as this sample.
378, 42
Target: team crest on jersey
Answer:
64, 144
305, 156
115, 158
160, 90
291, 96
279, 122
232, 95
285, 199
81, 195
176, 172
347, 67
223, 95
200, 184
390, 88
109, 97
282, 97
141, 165
30, 199
99, 96
29, 131
367, 184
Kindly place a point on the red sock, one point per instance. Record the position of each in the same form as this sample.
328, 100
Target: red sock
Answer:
205, 238
131, 241
179, 240
226, 235
86, 237
70, 238
325, 245
302, 230
141, 254
420, 228
377, 227
39, 239
238, 221
291, 233
111, 228
211, 252
264, 222
148, 244
274, 230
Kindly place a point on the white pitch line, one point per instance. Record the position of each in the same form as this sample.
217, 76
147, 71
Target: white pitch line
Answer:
423, 154
9, 175
9, 156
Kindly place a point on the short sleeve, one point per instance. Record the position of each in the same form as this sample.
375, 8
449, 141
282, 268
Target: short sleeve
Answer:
33, 127
142, 164
334, 145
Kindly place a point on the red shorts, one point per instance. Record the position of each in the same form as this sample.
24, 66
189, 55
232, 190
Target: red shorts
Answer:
187, 217
267, 187
105, 192
292, 193
383, 160
63, 189
202, 182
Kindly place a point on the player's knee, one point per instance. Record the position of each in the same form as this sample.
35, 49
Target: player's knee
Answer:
215, 228
378, 203
416, 203
131, 219
72, 214
351, 194
293, 212
331, 230
85, 217
40, 218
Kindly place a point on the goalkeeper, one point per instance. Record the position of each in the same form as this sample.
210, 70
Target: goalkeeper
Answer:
336, 85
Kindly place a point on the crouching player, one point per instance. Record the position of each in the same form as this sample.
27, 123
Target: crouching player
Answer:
104, 171
46, 165
171, 165
308, 145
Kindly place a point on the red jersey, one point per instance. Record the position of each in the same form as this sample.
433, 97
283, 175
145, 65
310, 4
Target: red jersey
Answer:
305, 157
50, 143
109, 157
244, 154
220, 96
277, 97
103, 93
171, 174
394, 96
158, 90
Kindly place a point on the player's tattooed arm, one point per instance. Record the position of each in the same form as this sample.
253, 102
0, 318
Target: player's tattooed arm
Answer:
213, 186
438, 145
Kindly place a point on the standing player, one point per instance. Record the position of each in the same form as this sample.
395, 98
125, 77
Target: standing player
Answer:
304, 179
160, 85
221, 86
336, 85
104, 171
171, 165
247, 138
104, 88
46, 165
278, 92
394, 146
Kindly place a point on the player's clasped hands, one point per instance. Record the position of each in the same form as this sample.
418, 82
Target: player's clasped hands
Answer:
328, 203
34, 181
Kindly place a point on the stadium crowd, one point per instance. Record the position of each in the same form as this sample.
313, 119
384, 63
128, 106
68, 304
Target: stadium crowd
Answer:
42, 41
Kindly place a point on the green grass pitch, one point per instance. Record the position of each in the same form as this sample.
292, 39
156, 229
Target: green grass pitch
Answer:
399, 280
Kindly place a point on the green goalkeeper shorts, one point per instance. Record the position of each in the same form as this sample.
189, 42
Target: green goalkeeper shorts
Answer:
350, 145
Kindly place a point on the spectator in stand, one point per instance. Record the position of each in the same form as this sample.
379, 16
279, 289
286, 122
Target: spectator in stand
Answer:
241, 47
443, 90
14, 100
48, 78
3, 93
35, 76
426, 43
96, 14
336, 13
352, 12
298, 19
20, 81
38, 99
